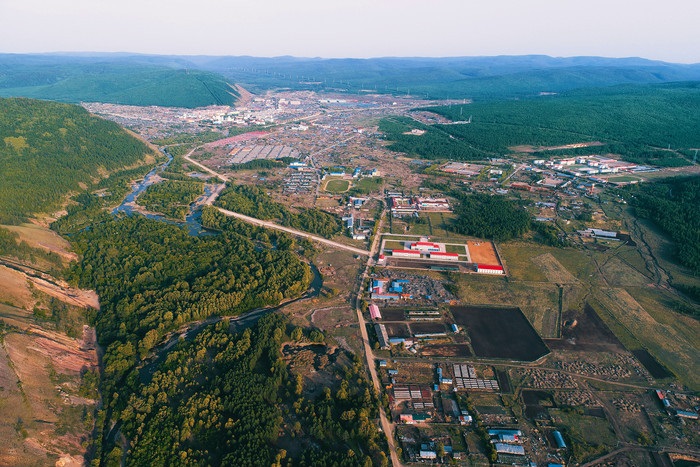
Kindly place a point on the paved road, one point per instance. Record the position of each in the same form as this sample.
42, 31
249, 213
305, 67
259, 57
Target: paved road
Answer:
204, 167
299, 233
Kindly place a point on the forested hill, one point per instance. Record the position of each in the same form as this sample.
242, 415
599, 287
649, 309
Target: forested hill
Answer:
48, 149
638, 122
130, 82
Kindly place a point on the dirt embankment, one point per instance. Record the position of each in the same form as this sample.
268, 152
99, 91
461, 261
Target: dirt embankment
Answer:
45, 418
46, 409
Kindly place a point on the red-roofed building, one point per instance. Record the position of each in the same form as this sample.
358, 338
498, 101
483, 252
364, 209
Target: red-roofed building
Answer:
374, 312
489, 269
425, 246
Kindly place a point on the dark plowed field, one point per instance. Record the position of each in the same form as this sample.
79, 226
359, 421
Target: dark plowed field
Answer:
656, 369
590, 333
500, 332
448, 350
427, 328
392, 314
397, 330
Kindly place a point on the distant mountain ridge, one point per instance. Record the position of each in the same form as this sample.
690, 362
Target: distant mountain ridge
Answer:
119, 80
197, 80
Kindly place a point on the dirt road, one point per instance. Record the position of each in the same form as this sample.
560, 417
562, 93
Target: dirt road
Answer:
387, 426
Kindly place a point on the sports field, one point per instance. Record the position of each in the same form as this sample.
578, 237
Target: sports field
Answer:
482, 252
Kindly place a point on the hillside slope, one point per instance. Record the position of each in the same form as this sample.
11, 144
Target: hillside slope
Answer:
49, 149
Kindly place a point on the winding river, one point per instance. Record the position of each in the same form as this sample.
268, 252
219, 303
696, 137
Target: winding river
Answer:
193, 220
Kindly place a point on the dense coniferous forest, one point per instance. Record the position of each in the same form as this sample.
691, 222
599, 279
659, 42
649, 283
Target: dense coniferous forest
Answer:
636, 122
674, 205
153, 277
48, 149
487, 216
253, 201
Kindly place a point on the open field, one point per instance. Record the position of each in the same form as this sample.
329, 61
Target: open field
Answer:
553, 269
498, 332
593, 435
483, 252
624, 179
673, 343
440, 223
518, 256
398, 330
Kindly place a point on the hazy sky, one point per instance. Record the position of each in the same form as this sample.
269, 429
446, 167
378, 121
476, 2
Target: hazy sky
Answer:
657, 29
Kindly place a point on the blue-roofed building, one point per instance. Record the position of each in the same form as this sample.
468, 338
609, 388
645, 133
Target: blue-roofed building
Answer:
514, 449
503, 431
508, 439
687, 414
559, 439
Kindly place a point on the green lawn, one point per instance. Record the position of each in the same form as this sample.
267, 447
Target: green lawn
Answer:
459, 249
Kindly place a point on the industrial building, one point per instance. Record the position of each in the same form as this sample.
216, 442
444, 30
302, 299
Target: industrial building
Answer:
425, 247
559, 439
514, 449
687, 414
444, 256
598, 233
504, 431
406, 253
489, 269
374, 312
379, 291
382, 336
433, 204
412, 418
